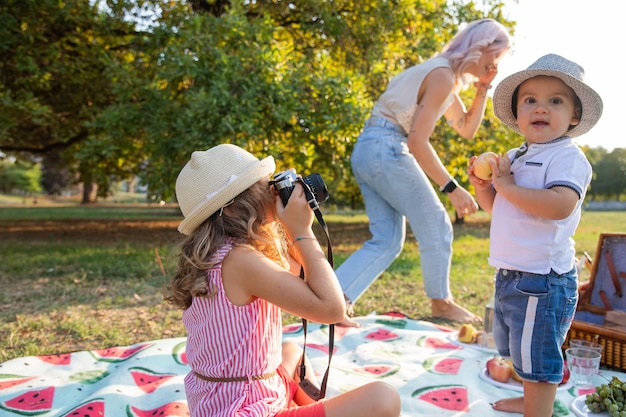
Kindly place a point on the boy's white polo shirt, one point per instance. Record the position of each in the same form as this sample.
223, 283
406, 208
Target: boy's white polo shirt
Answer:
522, 242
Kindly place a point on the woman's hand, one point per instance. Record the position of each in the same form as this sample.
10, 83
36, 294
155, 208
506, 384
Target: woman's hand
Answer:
488, 75
463, 202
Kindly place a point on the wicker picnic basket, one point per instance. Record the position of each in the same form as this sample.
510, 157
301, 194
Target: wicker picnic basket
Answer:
605, 293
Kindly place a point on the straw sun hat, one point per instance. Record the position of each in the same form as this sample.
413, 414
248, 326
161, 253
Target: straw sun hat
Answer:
212, 178
551, 65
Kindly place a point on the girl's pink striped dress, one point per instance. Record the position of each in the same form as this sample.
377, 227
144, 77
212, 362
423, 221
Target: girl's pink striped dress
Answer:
228, 341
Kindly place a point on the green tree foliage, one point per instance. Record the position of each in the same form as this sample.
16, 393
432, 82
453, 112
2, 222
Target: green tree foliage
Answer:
609, 173
110, 90
54, 65
19, 177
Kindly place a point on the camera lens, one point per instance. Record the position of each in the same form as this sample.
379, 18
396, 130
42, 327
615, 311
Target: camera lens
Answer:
318, 187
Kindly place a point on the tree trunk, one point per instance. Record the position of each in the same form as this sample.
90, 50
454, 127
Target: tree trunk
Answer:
90, 193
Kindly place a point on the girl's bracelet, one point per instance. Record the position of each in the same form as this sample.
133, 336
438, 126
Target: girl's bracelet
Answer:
484, 86
302, 238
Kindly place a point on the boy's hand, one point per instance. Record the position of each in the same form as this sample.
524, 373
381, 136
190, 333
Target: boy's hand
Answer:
501, 174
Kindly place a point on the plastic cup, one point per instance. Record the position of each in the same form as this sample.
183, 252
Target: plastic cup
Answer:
583, 364
585, 344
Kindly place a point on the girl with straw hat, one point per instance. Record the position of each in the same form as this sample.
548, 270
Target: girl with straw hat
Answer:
235, 275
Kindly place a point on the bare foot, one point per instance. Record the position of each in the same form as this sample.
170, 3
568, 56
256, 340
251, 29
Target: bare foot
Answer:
348, 322
510, 405
446, 308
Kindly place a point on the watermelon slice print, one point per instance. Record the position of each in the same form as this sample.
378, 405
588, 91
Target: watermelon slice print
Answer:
179, 353
443, 365
173, 409
560, 409
30, 403
63, 359
436, 343
382, 335
395, 314
292, 328
378, 371
442, 328
13, 380
89, 377
118, 354
448, 397
148, 380
91, 408
396, 323
323, 348
340, 331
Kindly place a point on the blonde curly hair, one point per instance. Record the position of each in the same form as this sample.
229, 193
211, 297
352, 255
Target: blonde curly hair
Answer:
245, 222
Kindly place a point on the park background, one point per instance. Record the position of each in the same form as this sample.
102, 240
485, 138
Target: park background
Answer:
99, 100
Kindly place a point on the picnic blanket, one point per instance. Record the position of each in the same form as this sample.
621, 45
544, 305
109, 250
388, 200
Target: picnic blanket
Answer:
434, 373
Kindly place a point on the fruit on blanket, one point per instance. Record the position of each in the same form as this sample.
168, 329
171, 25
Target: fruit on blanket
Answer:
498, 368
467, 333
514, 373
173, 409
449, 397
118, 354
482, 169
30, 403
516, 377
91, 408
148, 380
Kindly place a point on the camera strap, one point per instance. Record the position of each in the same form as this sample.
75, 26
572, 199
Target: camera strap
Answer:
331, 328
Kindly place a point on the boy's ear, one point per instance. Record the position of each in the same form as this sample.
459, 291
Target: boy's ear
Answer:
577, 116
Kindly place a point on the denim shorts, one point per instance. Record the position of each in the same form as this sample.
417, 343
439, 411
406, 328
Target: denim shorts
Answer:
532, 315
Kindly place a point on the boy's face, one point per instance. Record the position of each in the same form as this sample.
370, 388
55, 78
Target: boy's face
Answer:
545, 109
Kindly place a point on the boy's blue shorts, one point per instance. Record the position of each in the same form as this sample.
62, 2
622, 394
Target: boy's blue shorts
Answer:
532, 315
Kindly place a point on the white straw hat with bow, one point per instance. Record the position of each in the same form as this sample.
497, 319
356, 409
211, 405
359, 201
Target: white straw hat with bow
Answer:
213, 178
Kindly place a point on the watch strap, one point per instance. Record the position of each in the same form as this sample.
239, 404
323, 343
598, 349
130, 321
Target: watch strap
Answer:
449, 187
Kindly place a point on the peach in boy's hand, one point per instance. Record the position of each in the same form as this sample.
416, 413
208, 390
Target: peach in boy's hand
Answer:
482, 168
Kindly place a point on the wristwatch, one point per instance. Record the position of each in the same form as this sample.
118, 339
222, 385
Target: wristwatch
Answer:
449, 187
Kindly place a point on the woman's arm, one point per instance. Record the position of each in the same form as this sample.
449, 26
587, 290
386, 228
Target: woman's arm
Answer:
466, 123
434, 92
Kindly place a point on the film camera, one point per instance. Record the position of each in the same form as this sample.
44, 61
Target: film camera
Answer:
314, 187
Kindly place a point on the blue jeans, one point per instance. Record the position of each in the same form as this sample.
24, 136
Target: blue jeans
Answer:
532, 315
395, 188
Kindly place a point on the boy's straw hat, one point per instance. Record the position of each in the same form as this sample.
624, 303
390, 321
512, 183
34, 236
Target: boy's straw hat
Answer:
552, 65
212, 178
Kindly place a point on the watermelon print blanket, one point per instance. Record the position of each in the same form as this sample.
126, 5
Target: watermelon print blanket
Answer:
435, 374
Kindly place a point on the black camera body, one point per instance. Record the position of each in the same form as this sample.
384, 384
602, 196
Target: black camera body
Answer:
314, 187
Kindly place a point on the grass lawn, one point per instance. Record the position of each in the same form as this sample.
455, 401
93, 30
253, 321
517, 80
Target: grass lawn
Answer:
80, 278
